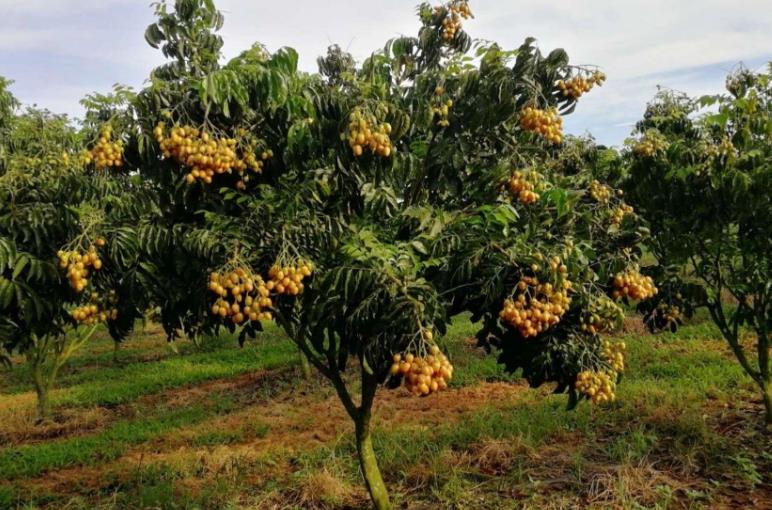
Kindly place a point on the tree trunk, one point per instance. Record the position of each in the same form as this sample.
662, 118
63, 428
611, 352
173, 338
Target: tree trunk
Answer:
116, 349
41, 389
767, 396
372, 474
304, 365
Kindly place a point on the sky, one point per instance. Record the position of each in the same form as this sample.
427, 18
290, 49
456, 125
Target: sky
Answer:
57, 51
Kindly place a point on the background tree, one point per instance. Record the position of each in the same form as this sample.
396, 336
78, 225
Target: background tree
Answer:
704, 183
65, 243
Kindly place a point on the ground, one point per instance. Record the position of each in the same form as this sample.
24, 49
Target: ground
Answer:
219, 427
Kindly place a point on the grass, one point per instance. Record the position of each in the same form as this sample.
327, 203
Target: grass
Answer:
116, 384
472, 366
32, 460
659, 415
681, 434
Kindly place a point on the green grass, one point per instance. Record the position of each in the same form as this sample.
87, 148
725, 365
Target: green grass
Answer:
116, 385
659, 418
112, 385
112, 442
34, 459
472, 365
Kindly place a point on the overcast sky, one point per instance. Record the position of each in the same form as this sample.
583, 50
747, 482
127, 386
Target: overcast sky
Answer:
59, 50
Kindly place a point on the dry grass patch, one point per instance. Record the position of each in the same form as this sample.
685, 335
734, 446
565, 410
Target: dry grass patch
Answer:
629, 485
495, 457
323, 490
18, 421
633, 325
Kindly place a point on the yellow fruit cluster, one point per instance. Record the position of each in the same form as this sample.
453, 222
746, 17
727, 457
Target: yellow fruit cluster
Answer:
521, 185
632, 284
423, 375
451, 24
613, 353
536, 307
546, 123
105, 153
78, 263
650, 144
599, 386
84, 158
207, 155
364, 131
288, 279
602, 315
241, 296
578, 85
98, 310
670, 313
440, 107
618, 213
723, 149
600, 192
726, 148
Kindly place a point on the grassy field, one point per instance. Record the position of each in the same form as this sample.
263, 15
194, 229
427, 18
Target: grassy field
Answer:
227, 428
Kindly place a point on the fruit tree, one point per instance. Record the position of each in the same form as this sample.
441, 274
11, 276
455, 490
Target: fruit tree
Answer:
364, 206
66, 243
704, 183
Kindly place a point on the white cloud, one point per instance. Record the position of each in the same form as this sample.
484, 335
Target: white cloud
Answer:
57, 7
15, 39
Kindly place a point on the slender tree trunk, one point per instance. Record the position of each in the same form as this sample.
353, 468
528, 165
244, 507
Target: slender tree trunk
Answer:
46, 359
305, 366
41, 389
368, 462
767, 396
116, 349
765, 377
36, 357
361, 416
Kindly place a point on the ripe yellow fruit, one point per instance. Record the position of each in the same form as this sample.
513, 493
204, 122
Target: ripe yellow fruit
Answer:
650, 144
237, 287
599, 192
537, 307
77, 263
288, 279
521, 184
365, 131
451, 23
619, 213
97, 309
546, 123
423, 375
633, 285
208, 155
105, 152
576, 86
613, 353
599, 386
